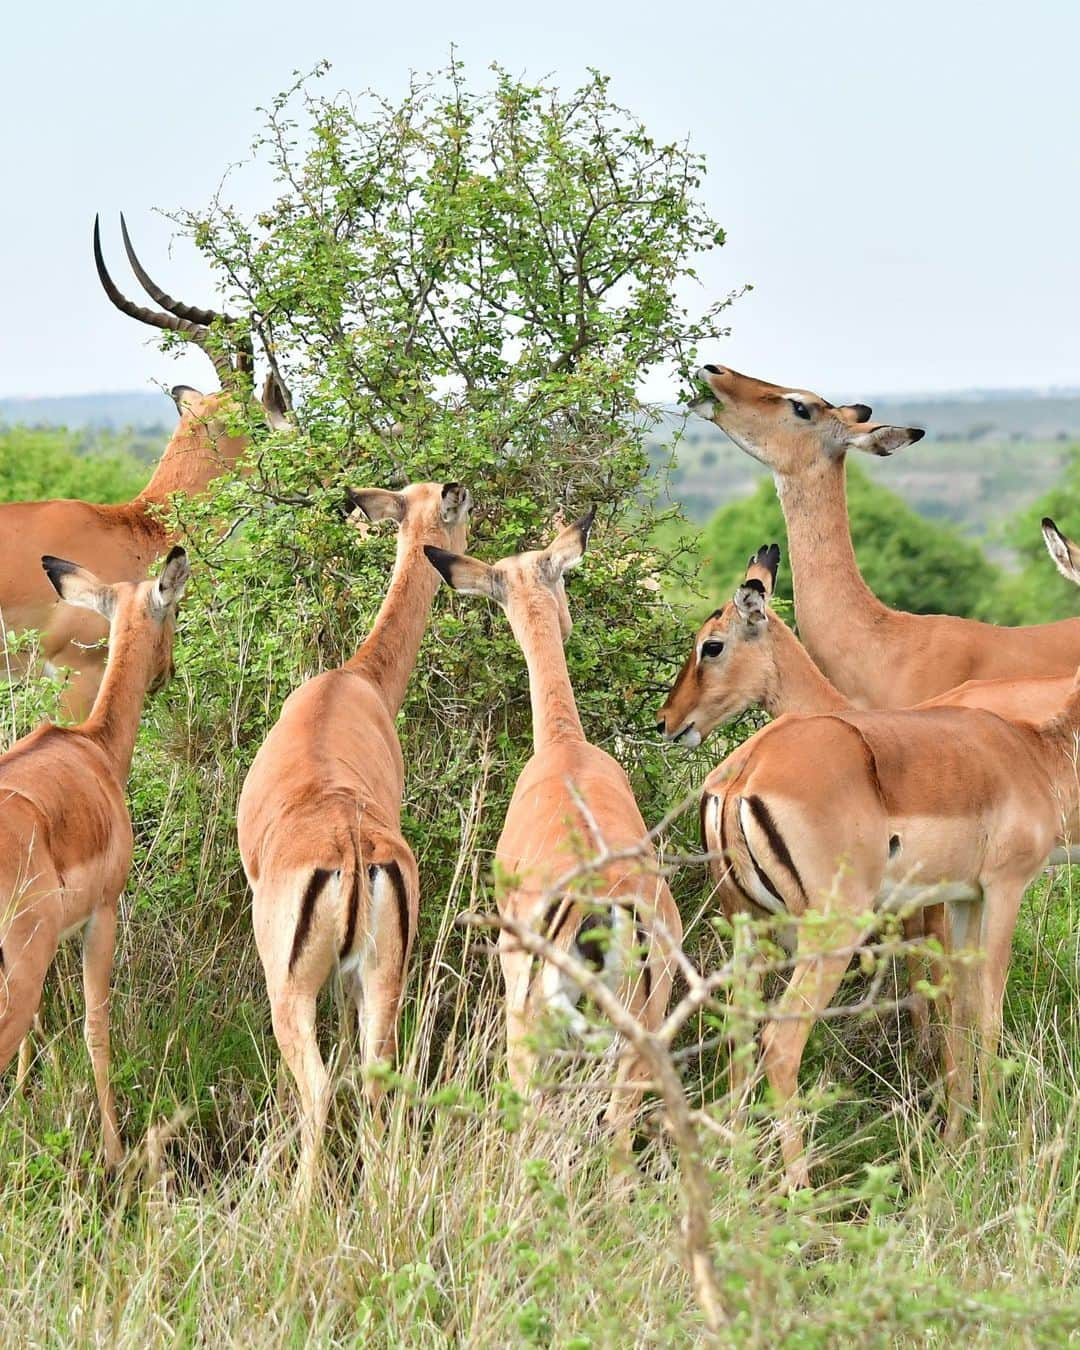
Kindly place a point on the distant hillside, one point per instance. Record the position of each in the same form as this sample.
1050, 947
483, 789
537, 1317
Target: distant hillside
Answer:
116, 412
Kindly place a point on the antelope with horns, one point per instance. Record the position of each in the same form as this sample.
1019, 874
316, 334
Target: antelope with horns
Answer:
334, 884
878, 657
65, 827
571, 801
121, 541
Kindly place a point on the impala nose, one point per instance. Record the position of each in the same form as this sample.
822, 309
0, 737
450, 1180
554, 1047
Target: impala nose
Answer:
661, 726
713, 370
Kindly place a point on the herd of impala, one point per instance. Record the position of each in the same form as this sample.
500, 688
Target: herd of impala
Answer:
927, 760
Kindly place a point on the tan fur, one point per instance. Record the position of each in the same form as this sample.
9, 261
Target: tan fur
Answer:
877, 657
324, 796
571, 802
862, 799
65, 832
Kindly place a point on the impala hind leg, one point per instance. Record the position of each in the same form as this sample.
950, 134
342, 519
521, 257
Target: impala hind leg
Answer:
813, 983
99, 943
1001, 904
520, 1055
293, 1014
961, 1008
378, 980
29, 945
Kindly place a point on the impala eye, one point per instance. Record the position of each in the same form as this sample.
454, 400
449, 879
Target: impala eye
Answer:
712, 648
800, 410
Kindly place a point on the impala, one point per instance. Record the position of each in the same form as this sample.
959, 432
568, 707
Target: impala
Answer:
744, 656
67, 839
121, 541
334, 883
824, 814
878, 657
572, 801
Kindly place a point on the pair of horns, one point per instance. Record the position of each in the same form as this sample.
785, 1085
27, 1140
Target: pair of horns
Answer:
173, 316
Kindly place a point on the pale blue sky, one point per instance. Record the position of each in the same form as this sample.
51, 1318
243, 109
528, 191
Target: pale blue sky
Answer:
899, 182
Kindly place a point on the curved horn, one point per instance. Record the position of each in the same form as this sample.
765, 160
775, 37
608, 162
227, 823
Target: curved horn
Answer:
191, 312
173, 323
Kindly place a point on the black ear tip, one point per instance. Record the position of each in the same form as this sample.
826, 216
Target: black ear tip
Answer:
916, 434
441, 559
585, 524
1048, 524
175, 552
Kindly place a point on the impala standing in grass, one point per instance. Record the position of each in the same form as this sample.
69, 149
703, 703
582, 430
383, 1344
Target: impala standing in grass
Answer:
821, 814
64, 823
334, 883
876, 656
572, 802
121, 541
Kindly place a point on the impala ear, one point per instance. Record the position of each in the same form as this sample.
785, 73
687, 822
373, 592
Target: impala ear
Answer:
751, 603
883, 439
185, 398
1064, 552
377, 504
455, 503
170, 583
76, 586
855, 412
275, 404
567, 549
763, 567
461, 573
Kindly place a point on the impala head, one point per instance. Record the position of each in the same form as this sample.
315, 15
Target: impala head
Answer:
1065, 553
427, 513
732, 665
195, 325
142, 612
526, 585
790, 429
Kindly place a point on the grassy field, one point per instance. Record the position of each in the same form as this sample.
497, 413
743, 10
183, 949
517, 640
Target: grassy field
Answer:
471, 1222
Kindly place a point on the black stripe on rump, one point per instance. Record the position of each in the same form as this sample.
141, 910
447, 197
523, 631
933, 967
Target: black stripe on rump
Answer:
354, 909
732, 875
319, 878
393, 871
3, 963
761, 814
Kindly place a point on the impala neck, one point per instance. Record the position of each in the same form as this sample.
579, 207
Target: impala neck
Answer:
388, 655
797, 685
197, 453
551, 695
833, 604
114, 719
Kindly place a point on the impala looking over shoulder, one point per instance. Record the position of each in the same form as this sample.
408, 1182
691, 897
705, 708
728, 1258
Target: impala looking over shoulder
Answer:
65, 829
878, 657
744, 656
333, 882
571, 801
122, 541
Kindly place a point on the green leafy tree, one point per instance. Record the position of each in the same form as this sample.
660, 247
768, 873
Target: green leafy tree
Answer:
459, 286
41, 462
1038, 593
909, 562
